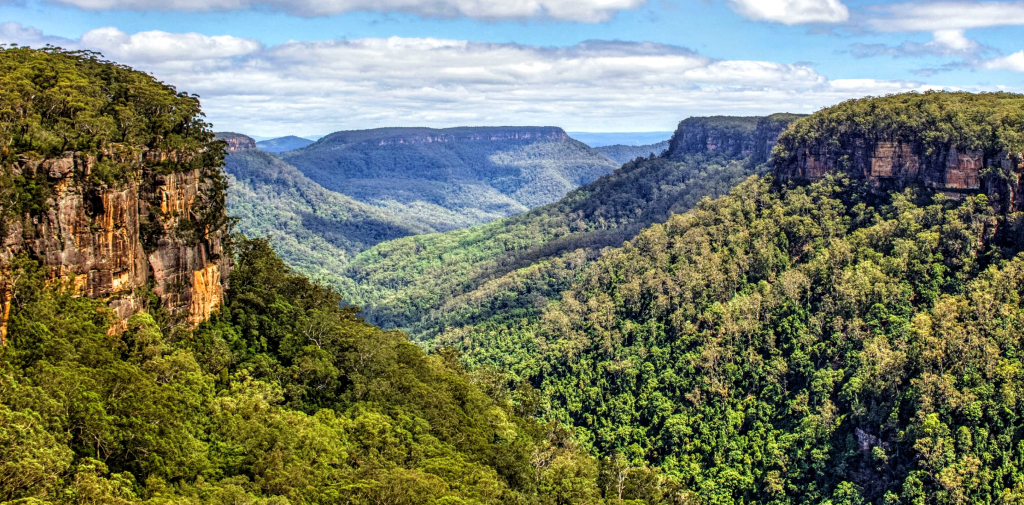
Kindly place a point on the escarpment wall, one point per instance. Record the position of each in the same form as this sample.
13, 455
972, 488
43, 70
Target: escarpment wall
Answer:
733, 137
118, 243
893, 164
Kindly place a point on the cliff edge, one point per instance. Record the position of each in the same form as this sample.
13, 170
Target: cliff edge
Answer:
953, 143
114, 186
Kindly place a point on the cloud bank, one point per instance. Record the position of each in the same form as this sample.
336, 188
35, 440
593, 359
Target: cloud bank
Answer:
322, 86
588, 11
793, 12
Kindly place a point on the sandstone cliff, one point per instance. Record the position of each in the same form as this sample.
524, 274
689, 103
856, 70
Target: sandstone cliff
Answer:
733, 137
953, 143
117, 243
113, 186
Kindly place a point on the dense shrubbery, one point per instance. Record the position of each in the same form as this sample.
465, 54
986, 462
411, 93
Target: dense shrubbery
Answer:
510, 268
989, 122
283, 398
807, 345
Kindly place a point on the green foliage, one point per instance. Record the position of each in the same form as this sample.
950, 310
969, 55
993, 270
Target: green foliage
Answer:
509, 269
987, 122
804, 345
284, 397
315, 231
452, 178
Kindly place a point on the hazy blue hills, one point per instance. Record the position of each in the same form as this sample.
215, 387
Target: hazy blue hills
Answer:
623, 138
621, 153
451, 178
282, 144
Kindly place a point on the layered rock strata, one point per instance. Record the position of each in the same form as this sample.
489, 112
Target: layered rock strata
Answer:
734, 137
894, 165
116, 243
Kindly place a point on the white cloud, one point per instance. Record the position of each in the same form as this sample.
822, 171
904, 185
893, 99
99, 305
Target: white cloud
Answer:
792, 12
323, 86
157, 46
589, 11
946, 16
1013, 62
943, 43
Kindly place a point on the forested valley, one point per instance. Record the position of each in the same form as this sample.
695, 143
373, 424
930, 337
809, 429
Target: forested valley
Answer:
834, 320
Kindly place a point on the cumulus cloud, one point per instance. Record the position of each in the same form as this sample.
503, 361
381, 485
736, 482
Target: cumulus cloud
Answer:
322, 86
589, 11
946, 16
792, 12
1013, 62
157, 46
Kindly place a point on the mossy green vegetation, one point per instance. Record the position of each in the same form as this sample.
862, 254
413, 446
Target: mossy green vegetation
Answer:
989, 122
510, 268
284, 397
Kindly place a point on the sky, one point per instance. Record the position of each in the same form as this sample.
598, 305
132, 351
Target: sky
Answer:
310, 67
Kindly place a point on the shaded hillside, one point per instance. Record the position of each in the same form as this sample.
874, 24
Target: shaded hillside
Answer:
453, 178
509, 268
316, 231
621, 153
829, 343
281, 144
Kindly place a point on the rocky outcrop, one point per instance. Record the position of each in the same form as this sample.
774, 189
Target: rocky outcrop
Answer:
236, 141
893, 164
116, 243
732, 137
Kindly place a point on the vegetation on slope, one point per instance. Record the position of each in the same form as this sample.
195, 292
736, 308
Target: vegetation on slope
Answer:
989, 122
511, 268
315, 231
453, 178
282, 398
805, 345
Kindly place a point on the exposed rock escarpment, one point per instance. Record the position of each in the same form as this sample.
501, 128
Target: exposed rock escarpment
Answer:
112, 185
236, 141
116, 242
730, 136
953, 143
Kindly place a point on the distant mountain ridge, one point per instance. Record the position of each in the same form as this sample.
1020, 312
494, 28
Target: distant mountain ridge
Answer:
455, 177
621, 153
440, 286
281, 144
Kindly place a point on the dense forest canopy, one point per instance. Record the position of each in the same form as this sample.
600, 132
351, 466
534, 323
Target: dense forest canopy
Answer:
987, 122
642, 341
314, 230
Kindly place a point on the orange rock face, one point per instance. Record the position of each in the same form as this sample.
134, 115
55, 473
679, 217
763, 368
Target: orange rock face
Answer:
896, 165
93, 237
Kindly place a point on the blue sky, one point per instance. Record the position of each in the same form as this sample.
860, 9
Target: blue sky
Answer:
274, 67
